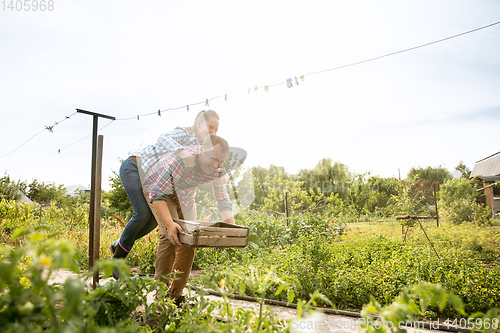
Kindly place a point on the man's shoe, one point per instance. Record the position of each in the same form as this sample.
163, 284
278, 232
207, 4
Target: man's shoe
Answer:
181, 302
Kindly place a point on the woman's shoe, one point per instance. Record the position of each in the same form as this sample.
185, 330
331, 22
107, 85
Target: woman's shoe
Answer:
118, 253
112, 248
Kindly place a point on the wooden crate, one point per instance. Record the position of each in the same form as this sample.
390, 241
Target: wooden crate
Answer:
207, 234
212, 234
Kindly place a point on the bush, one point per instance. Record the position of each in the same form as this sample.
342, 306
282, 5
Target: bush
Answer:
458, 203
349, 274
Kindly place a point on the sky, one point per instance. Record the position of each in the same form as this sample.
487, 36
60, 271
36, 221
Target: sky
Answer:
432, 106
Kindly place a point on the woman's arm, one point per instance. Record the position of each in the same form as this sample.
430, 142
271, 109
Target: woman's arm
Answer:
227, 216
176, 139
188, 159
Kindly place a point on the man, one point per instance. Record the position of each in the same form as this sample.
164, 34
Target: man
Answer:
170, 189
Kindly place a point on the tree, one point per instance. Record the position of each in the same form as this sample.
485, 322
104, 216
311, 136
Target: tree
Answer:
405, 202
464, 170
45, 193
438, 175
423, 181
457, 198
384, 189
10, 190
360, 195
260, 182
326, 177
117, 196
299, 200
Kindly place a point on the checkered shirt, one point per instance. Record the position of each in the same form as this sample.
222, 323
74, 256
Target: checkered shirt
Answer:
166, 178
169, 142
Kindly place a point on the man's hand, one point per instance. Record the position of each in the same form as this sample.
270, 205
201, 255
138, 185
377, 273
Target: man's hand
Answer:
222, 180
188, 159
172, 230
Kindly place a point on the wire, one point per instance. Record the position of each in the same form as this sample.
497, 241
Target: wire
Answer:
47, 128
23, 144
405, 50
59, 150
325, 70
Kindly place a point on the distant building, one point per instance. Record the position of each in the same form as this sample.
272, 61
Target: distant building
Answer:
24, 198
488, 170
73, 190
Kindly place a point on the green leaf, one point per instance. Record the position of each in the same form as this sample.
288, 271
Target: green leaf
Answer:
291, 295
280, 289
443, 300
21, 232
73, 291
456, 303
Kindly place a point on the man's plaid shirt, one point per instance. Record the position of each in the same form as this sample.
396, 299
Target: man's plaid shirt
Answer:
169, 142
166, 178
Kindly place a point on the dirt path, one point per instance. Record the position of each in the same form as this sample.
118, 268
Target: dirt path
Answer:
320, 322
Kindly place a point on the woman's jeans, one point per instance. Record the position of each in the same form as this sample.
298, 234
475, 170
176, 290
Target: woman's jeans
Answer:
143, 220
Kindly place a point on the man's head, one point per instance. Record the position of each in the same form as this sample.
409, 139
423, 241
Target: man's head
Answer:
215, 151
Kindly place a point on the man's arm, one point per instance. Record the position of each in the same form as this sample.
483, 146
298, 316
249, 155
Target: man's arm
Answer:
224, 204
172, 227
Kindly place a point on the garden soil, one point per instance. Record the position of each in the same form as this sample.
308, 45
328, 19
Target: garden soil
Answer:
319, 322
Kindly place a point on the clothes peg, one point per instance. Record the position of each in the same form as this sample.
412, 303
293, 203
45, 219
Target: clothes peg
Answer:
289, 83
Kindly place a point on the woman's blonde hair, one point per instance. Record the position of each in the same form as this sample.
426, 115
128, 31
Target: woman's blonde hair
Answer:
203, 115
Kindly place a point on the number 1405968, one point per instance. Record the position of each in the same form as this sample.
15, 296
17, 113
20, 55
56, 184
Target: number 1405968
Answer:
27, 5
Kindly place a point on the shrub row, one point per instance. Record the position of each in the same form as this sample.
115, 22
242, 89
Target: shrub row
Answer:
349, 274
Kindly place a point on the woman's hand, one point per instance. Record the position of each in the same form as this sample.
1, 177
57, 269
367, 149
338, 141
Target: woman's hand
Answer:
188, 159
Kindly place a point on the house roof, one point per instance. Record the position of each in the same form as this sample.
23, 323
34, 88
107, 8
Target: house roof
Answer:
488, 169
71, 190
24, 198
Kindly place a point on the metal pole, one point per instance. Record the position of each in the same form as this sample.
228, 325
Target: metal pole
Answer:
492, 200
97, 207
92, 193
421, 226
92, 209
435, 204
286, 207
